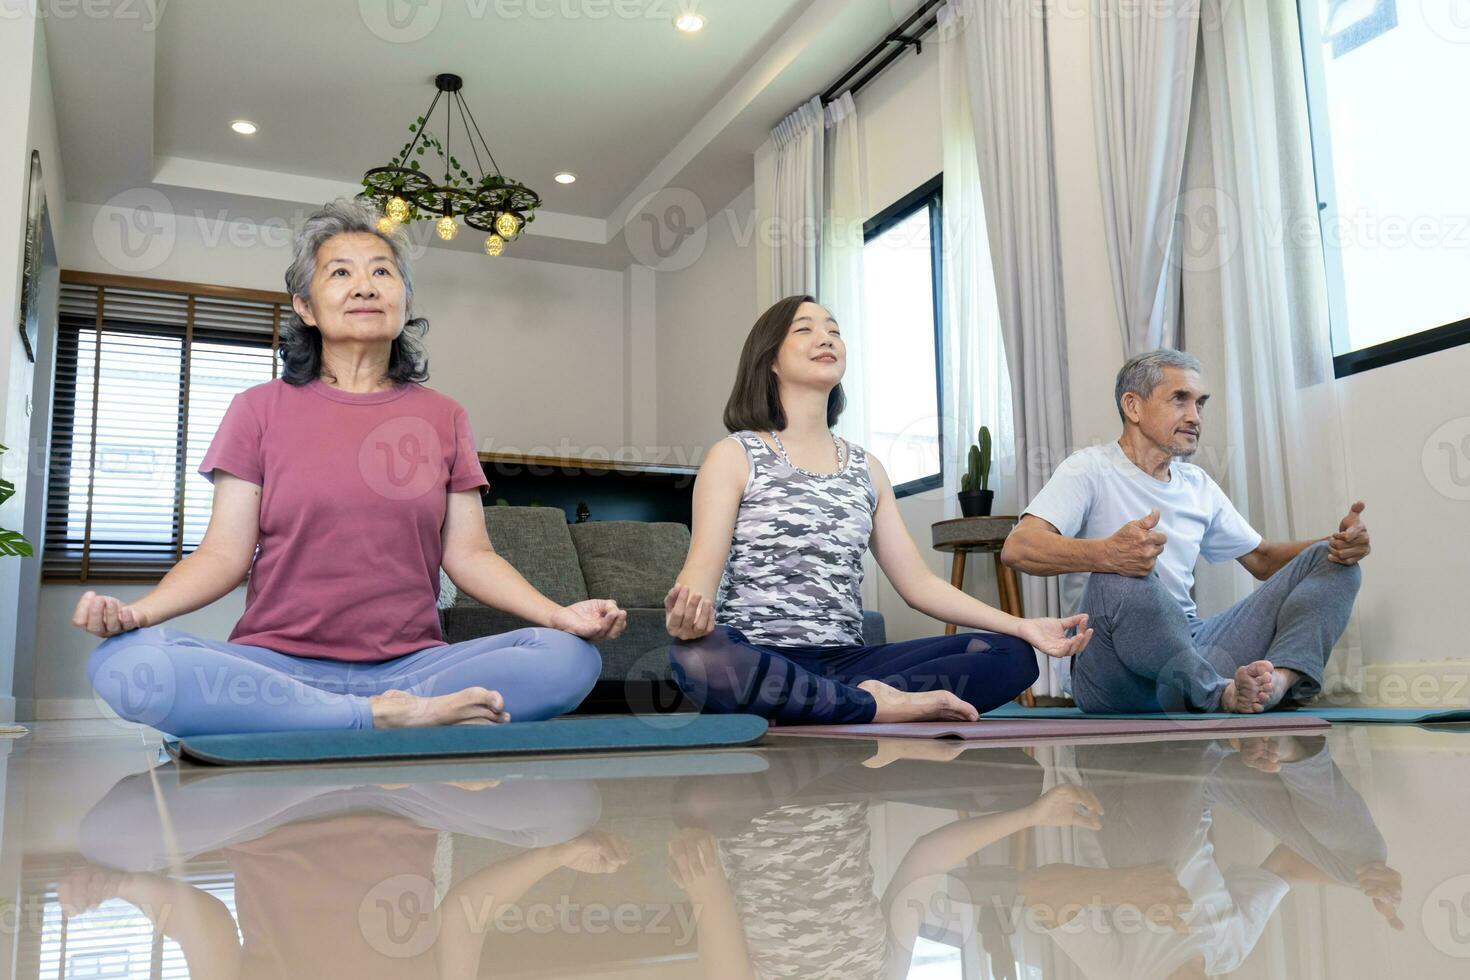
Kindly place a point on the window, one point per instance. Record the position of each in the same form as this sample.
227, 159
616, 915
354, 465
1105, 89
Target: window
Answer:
901, 270
112, 940
1392, 200
143, 377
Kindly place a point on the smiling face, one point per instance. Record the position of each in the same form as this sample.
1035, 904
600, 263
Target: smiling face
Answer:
813, 353
356, 291
1171, 417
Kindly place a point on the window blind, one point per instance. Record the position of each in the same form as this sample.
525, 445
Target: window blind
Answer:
144, 373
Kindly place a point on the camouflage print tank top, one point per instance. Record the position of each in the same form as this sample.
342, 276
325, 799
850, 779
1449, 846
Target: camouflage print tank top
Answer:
795, 573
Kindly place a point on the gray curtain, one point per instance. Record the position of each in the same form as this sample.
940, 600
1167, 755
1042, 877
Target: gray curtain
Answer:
1143, 59
796, 210
1006, 63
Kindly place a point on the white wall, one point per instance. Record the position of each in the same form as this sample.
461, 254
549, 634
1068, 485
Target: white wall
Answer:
26, 104
704, 314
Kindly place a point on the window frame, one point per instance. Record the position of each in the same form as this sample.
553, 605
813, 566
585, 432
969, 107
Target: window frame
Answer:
63, 421
1346, 361
930, 194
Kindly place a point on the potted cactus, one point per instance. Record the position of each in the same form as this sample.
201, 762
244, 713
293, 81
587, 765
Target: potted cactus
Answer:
975, 493
11, 542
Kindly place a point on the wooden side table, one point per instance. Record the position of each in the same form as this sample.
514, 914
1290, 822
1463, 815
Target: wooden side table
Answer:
963, 536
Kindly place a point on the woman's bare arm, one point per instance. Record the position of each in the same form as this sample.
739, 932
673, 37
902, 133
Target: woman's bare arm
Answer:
217, 566
689, 606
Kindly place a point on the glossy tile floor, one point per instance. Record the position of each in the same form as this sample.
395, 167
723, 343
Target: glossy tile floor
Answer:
1343, 856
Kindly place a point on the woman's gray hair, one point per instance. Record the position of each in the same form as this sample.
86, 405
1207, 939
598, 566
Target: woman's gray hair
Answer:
301, 343
1144, 372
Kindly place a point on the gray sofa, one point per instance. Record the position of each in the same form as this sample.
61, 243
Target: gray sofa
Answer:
631, 562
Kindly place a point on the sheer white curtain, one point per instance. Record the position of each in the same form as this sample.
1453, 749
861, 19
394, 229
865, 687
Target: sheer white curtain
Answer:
796, 207
841, 259
1005, 55
977, 387
1143, 58
1254, 290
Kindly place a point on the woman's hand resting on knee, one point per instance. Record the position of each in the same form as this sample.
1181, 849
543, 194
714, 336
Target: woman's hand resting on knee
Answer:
1049, 636
104, 615
687, 614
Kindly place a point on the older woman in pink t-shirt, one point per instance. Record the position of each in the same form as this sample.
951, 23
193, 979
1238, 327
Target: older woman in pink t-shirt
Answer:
341, 489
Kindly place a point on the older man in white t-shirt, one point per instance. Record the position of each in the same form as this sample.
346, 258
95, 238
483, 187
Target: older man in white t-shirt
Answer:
1133, 517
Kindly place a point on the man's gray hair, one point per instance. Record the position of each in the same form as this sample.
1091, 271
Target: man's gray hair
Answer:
1144, 372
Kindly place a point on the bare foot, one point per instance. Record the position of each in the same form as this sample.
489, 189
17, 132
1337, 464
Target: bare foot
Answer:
1251, 689
1282, 678
900, 706
472, 706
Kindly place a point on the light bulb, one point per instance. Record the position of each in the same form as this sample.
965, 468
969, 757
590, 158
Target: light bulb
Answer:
494, 245
689, 22
507, 225
446, 227
386, 225
397, 209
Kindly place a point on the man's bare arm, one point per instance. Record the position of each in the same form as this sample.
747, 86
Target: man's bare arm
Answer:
1036, 547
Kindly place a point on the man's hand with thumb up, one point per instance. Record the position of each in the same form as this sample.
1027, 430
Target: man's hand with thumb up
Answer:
1135, 546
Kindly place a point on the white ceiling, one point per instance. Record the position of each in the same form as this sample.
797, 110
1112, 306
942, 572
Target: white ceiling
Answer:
626, 102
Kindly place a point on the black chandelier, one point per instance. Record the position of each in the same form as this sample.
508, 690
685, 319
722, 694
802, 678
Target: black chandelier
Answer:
493, 203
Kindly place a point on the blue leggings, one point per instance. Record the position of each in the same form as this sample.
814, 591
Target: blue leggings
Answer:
187, 685
725, 672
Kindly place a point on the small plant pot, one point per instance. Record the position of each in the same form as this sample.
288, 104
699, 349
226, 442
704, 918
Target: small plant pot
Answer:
976, 503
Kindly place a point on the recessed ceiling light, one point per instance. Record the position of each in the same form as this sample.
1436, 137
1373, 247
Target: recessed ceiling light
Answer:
244, 127
565, 177
689, 22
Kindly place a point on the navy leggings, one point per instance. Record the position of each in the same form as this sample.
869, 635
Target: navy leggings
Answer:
725, 672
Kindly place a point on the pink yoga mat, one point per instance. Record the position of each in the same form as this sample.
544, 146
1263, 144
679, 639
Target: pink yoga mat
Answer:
1071, 730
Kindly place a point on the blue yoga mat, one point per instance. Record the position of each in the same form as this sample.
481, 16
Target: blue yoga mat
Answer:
1364, 716
619, 734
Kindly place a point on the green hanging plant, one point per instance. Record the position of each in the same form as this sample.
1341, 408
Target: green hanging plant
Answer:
12, 543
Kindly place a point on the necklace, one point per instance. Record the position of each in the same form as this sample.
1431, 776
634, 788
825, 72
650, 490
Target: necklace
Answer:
839, 444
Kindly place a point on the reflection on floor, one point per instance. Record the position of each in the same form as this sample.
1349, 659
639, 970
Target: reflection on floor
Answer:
1336, 856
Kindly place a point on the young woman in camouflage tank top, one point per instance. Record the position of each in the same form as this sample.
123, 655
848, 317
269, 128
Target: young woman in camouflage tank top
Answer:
766, 614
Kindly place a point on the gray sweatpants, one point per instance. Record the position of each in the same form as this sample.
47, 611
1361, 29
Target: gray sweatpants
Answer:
1146, 656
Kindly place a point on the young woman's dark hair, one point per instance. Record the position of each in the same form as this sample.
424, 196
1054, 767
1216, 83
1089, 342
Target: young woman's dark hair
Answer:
755, 402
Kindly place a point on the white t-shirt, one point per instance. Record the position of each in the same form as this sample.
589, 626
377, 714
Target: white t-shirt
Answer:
1099, 489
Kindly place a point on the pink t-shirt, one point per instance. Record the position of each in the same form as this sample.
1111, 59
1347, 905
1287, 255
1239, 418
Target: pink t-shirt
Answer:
354, 488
